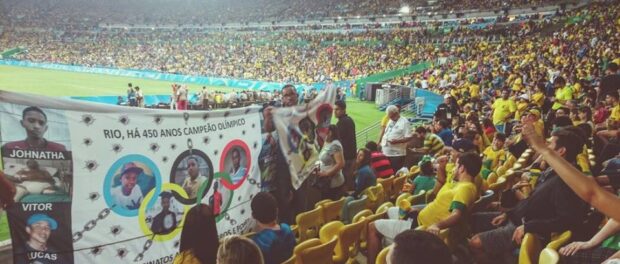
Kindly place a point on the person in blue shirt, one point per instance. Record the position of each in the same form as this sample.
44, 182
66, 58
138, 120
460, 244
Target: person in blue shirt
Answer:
365, 175
444, 132
276, 241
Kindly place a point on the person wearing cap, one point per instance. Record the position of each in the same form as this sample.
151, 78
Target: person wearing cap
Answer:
447, 210
425, 181
165, 221
503, 110
128, 194
39, 228
192, 183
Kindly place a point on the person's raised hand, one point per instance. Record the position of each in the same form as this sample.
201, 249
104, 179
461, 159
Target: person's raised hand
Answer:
528, 132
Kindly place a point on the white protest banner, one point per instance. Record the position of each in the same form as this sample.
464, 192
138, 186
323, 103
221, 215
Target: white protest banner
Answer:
302, 130
91, 179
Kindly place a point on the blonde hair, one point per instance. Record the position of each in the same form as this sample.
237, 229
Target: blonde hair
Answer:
238, 250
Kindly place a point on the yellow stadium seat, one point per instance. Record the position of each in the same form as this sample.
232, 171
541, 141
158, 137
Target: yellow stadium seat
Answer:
492, 178
353, 208
414, 170
510, 160
549, 256
382, 257
308, 224
402, 196
419, 198
560, 240
399, 182
369, 219
322, 252
517, 166
348, 239
321, 202
499, 186
530, 249
313, 242
375, 195
332, 210
383, 208
388, 186
330, 230
361, 216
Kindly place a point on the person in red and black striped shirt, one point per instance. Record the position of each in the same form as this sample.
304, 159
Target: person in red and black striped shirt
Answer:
379, 162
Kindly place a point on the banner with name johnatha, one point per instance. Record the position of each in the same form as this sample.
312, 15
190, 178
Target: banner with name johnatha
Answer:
107, 184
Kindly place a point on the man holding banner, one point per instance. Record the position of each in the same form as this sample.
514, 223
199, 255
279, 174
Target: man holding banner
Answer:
283, 190
294, 192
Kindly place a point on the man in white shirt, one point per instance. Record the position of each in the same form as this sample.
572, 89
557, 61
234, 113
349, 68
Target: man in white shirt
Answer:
128, 195
397, 134
195, 180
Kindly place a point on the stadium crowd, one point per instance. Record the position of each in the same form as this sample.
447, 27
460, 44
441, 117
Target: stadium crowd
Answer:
293, 57
90, 13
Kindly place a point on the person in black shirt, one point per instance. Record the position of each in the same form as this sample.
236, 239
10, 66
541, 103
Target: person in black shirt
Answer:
447, 110
166, 221
551, 207
346, 130
610, 83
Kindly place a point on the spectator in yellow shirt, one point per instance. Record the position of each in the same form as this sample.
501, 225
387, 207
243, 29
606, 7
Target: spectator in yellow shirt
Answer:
494, 155
503, 110
563, 93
